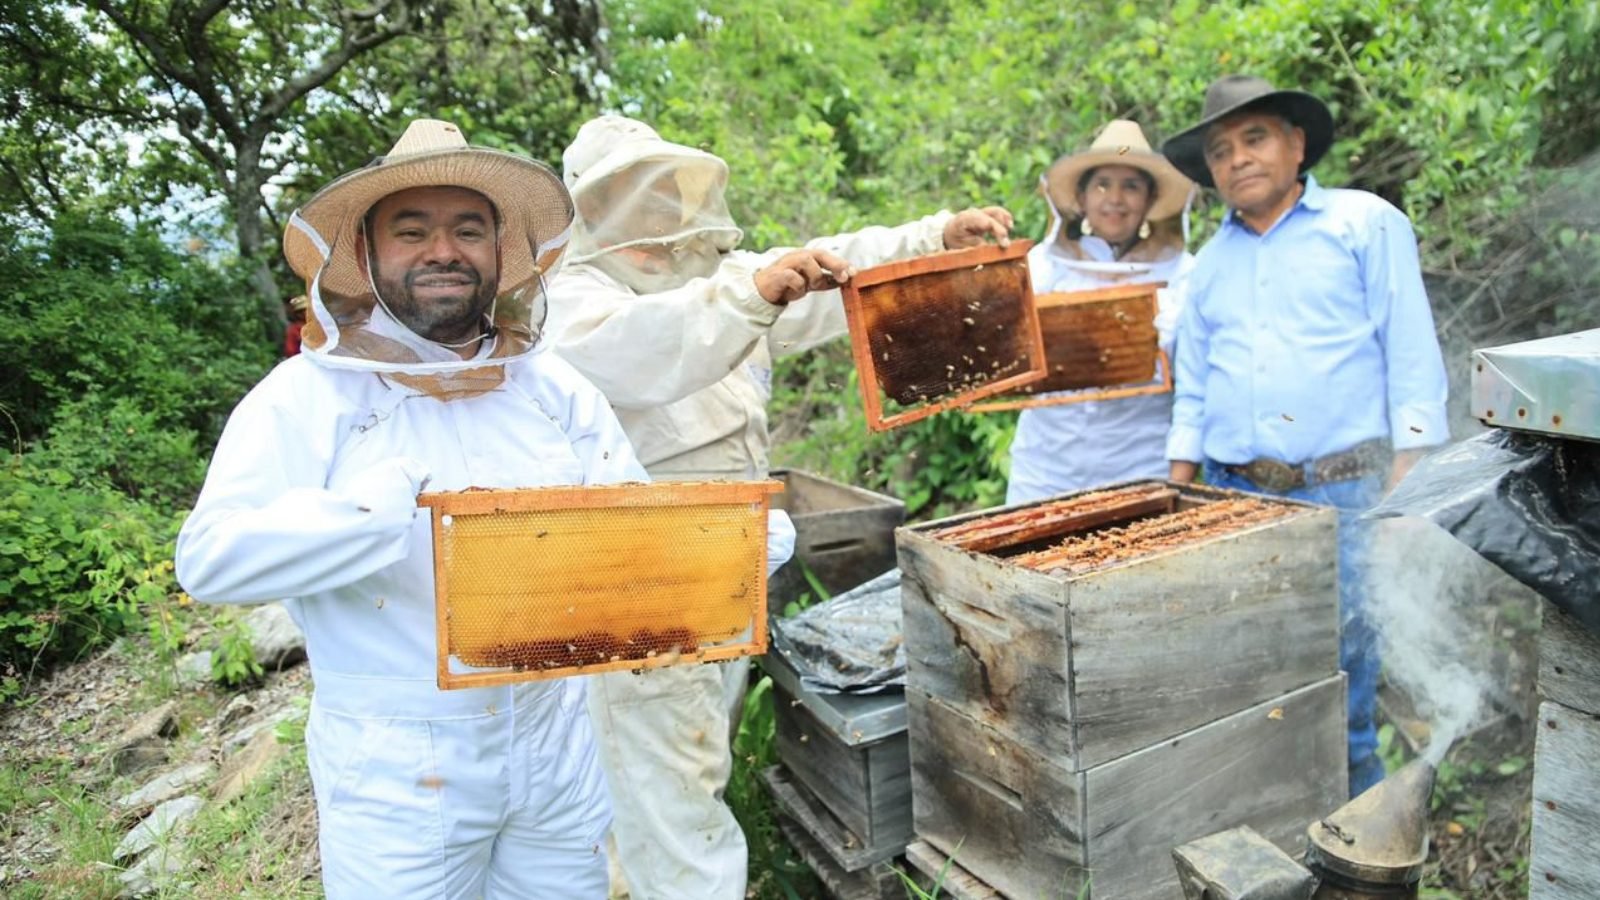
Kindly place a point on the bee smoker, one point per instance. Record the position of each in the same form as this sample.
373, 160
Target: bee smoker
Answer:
1372, 848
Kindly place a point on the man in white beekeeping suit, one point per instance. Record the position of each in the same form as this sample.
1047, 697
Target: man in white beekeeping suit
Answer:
678, 328
423, 365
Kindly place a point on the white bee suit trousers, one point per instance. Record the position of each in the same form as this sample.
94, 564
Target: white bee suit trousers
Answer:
486, 792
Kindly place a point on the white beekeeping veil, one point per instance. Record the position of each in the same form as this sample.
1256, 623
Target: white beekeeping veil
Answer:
651, 213
349, 327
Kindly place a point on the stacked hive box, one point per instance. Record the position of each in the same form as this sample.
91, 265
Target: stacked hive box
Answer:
844, 787
1075, 714
844, 535
1566, 780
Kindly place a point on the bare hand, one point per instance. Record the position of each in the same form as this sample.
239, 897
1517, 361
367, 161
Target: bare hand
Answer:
1182, 471
1403, 461
799, 272
970, 227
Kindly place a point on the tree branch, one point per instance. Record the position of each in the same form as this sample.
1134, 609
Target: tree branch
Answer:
23, 193
355, 44
160, 62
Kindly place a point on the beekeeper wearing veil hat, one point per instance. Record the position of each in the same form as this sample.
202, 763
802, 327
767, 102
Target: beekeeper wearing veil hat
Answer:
678, 327
423, 365
1115, 220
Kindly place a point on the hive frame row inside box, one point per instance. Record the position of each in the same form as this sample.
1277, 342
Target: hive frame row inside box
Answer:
1071, 728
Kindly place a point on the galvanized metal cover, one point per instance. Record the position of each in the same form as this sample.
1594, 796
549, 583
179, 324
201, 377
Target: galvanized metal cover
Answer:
855, 719
1551, 385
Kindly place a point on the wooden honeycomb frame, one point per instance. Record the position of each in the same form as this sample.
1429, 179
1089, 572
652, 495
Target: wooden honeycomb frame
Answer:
944, 293
591, 528
1113, 324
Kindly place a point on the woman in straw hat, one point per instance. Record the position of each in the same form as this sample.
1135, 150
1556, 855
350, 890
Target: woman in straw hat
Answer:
422, 365
1115, 213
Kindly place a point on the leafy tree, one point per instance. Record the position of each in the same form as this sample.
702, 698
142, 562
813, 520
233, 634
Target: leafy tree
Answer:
246, 102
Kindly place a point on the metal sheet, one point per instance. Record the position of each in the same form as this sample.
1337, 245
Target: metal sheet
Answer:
854, 719
1550, 386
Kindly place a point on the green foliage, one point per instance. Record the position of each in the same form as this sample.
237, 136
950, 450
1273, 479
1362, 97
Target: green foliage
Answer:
78, 566
233, 662
775, 873
936, 465
132, 355
879, 112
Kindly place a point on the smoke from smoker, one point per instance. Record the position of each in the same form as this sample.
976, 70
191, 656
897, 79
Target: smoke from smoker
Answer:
1426, 601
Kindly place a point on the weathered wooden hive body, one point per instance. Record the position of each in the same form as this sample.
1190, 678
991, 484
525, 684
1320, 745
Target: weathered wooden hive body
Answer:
844, 535
1096, 679
848, 754
1551, 387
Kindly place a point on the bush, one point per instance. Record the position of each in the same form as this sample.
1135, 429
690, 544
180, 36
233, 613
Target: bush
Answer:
107, 320
78, 564
118, 442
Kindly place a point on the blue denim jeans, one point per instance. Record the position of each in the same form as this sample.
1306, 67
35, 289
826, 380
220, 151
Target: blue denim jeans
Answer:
1358, 646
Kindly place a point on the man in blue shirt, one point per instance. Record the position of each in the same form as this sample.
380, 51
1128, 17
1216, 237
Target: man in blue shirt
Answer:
1307, 363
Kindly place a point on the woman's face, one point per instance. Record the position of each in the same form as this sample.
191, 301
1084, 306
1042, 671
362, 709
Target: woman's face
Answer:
1114, 201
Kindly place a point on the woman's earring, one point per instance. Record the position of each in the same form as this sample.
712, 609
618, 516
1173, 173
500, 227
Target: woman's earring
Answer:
1085, 229
1144, 229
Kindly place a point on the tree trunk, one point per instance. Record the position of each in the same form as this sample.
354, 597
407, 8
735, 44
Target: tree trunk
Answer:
254, 246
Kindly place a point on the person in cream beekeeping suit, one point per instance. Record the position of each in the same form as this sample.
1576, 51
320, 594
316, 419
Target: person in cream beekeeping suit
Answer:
678, 327
424, 365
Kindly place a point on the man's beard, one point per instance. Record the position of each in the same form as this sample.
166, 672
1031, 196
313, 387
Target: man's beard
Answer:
440, 320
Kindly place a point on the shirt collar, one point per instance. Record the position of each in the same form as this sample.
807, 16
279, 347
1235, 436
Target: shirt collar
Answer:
1313, 198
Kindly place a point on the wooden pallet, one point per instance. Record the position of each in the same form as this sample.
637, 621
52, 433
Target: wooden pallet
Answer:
936, 868
877, 880
844, 848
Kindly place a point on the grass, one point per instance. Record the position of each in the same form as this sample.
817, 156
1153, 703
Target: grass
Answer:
776, 872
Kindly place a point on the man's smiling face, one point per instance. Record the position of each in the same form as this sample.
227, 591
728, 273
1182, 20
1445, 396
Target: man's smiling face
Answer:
434, 258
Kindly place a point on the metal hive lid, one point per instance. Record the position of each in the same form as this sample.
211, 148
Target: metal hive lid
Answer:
1550, 386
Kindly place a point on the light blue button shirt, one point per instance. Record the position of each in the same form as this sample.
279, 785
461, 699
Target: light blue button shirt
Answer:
1308, 339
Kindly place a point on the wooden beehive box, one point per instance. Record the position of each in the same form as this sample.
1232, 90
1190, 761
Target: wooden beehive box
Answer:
1173, 632
1566, 767
1099, 345
849, 757
1097, 678
941, 331
796, 818
843, 534
547, 582
1021, 821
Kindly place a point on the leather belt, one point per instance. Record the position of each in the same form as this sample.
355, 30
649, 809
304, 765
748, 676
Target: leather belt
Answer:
1277, 476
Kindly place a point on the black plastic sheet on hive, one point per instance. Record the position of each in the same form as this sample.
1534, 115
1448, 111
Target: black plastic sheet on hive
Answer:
852, 644
1528, 504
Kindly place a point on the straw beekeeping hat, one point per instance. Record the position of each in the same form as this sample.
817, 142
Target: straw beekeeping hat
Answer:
1120, 143
534, 213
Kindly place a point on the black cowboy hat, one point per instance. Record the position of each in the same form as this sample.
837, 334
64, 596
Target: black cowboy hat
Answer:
1233, 93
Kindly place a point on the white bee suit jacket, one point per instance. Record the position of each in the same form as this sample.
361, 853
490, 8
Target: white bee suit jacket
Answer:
491, 791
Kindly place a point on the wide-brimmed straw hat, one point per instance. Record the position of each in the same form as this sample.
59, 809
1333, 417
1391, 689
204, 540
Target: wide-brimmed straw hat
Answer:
1235, 93
1120, 143
534, 208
